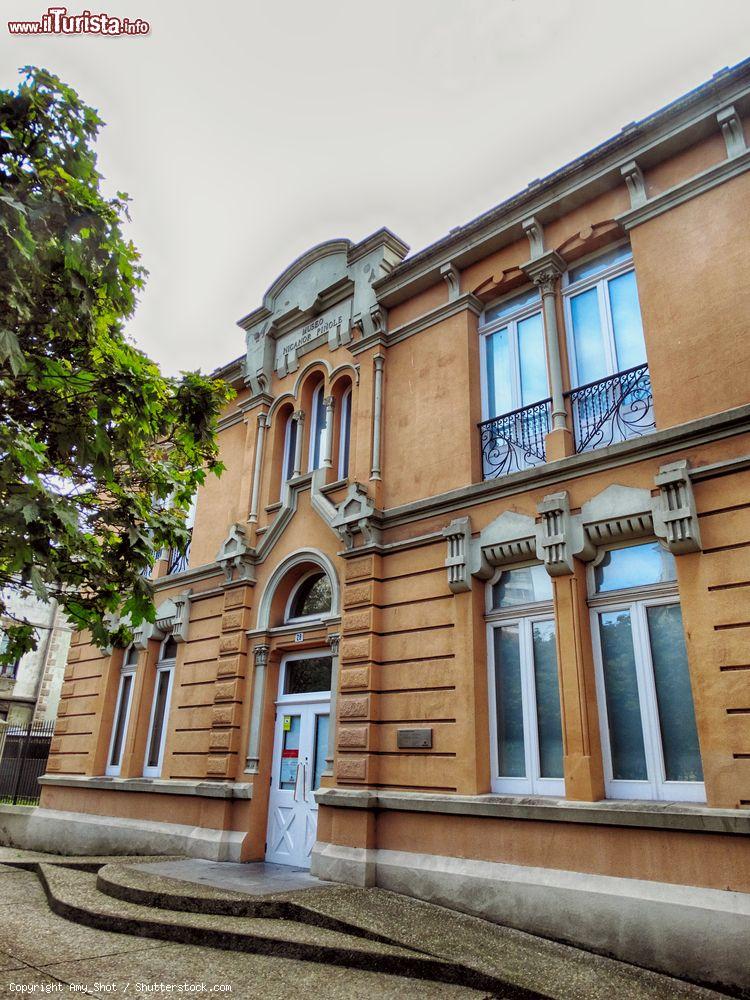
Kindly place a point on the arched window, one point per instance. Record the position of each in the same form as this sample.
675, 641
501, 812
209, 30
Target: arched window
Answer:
157, 729
318, 428
290, 448
122, 710
310, 598
345, 431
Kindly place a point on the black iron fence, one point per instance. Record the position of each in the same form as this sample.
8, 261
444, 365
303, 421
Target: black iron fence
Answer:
23, 758
515, 440
612, 409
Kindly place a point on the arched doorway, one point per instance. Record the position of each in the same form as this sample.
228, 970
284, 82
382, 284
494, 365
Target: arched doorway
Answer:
302, 720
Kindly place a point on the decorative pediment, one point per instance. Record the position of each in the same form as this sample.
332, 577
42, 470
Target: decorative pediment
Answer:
172, 618
617, 514
355, 514
236, 557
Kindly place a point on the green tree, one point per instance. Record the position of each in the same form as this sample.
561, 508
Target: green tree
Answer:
99, 453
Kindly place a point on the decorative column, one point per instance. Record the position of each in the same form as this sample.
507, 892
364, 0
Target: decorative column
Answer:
259, 438
328, 437
333, 642
260, 657
377, 415
544, 272
299, 417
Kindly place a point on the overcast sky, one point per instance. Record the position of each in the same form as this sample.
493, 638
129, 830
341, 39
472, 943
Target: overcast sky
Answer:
248, 131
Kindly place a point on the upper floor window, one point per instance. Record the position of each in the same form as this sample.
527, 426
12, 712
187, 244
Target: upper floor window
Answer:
310, 598
9, 670
514, 385
179, 558
122, 710
157, 729
290, 448
345, 432
605, 332
524, 695
318, 428
649, 734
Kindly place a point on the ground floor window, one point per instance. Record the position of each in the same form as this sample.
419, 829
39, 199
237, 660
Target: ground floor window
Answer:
157, 729
649, 734
122, 711
525, 720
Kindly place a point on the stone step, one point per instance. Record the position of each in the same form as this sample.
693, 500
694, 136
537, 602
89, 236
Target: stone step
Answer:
73, 894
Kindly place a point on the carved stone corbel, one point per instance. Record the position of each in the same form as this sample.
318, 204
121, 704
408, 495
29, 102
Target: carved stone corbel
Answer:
535, 233
556, 536
236, 557
379, 317
675, 513
636, 184
730, 124
452, 278
458, 535
354, 514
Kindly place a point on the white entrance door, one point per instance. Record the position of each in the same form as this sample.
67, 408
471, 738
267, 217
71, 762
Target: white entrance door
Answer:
299, 758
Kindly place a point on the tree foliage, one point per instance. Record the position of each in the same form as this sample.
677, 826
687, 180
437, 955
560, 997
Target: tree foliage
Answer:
100, 454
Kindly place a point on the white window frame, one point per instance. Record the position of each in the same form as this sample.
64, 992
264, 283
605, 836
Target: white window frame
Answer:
288, 620
315, 429
127, 670
637, 600
345, 423
311, 696
287, 460
601, 279
511, 320
525, 616
163, 666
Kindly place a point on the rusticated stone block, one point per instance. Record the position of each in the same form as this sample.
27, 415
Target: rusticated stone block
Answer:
67, 690
231, 620
357, 621
355, 649
234, 598
55, 745
69, 673
354, 708
231, 666
355, 677
61, 726
359, 569
360, 593
62, 708
74, 654
230, 643
54, 764
224, 716
220, 739
351, 768
354, 737
217, 766
226, 691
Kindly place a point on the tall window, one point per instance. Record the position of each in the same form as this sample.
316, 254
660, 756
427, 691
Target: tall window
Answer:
157, 728
9, 670
649, 735
179, 558
605, 332
318, 429
345, 432
122, 710
515, 366
290, 448
525, 719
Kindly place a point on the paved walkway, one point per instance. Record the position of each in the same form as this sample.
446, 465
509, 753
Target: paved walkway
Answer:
256, 879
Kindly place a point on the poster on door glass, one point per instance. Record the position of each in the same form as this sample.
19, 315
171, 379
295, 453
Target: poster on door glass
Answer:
288, 770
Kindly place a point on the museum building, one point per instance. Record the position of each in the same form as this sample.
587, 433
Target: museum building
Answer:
468, 614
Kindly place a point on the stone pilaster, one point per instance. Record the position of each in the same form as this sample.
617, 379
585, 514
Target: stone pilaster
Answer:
229, 690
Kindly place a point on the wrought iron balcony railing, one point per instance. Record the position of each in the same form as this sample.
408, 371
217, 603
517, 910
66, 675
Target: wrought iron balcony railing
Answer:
515, 440
612, 409
178, 560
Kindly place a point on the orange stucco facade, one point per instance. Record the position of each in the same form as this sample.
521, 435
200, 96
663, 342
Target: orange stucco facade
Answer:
407, 628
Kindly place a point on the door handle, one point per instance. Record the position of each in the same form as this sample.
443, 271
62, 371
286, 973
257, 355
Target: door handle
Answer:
300, 768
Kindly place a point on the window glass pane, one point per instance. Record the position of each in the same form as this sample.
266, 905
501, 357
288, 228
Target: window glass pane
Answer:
587, 337
600, 264
346, 429
626, 321
310, 674
549, 724
621, 688
122, 711
169, 649
527, 585
634, 566
131, 657
289, 751
532, 359
679, 736
291, 444
510, 306
511, 759
321, 748
312, 598
499, 374
157, 728
320, 426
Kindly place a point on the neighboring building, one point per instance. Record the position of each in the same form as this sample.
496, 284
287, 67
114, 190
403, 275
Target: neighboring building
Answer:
30, 687
488, 508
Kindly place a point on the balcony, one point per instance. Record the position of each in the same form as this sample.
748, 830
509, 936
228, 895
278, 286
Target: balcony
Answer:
178, 560
515, 440
612, 409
